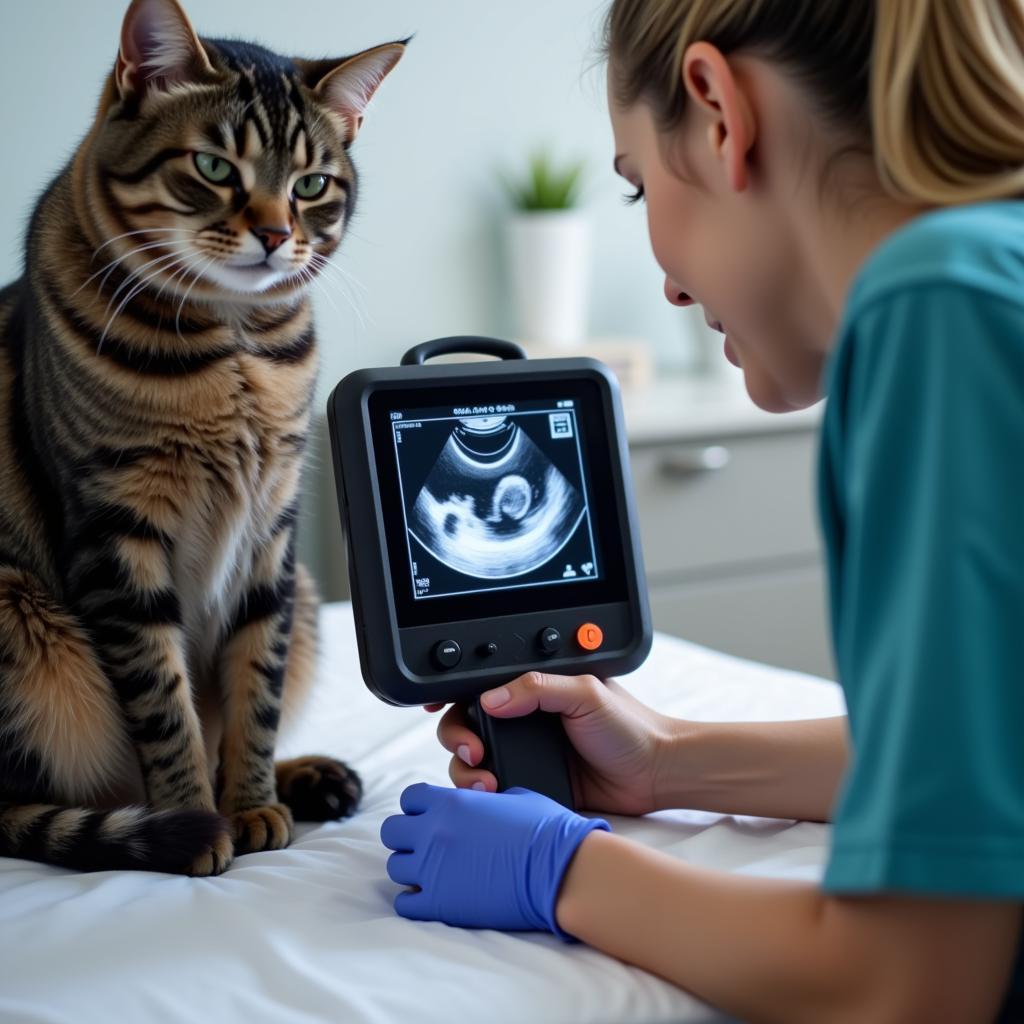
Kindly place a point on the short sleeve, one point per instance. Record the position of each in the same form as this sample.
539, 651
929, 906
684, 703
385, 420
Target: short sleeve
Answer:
923, 508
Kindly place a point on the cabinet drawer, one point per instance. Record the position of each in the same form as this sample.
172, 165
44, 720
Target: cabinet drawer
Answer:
778, 618
745, 500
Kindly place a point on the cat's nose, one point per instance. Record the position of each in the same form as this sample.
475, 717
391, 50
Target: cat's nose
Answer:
272, 237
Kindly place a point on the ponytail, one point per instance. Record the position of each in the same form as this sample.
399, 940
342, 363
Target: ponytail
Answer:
934, 87
947, 99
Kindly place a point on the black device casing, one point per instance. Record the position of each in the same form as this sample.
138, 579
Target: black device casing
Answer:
389, 669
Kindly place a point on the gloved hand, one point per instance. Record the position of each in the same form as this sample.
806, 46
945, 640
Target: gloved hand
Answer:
482, 860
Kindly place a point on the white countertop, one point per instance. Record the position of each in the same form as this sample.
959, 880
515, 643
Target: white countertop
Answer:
664, 406
694, 407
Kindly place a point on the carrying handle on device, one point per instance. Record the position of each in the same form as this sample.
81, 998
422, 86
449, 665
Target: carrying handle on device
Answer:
419, 354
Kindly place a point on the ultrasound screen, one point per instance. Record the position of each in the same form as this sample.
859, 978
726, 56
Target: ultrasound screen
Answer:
494, 497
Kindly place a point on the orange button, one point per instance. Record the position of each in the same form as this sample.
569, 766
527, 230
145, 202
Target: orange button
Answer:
589, 636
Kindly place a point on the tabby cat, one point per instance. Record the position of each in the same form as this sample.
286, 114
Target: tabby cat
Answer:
157, 369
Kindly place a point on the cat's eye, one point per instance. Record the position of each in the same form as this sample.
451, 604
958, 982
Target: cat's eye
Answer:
311, 186
214, 168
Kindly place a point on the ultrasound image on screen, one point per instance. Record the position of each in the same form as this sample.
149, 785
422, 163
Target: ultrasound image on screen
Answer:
494, 501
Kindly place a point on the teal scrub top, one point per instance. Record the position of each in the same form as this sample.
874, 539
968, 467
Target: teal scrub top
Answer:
922, 507
922, 494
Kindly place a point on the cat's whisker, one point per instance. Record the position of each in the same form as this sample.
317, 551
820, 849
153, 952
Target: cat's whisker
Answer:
156, 298
210, 260
109, 267
140, 249
178, 273
305, 275
357, 309
136, 231
350, 232
132, 279
140, 231
326, 263
178, 250
182, 273
124, 302
135, 291
345, 281
308, 275
134, 275
323, 265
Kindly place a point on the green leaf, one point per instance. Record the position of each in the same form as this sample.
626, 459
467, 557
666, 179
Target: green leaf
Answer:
545, 187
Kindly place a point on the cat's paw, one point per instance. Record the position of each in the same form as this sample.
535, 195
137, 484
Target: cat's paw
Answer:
262, 828
318, 788
215, 858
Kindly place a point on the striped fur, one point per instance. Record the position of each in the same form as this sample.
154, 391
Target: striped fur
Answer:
157, 367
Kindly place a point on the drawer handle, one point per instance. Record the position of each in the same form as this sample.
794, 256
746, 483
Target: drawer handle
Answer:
695, 462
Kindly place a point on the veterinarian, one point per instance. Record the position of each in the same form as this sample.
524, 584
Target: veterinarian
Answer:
838, 185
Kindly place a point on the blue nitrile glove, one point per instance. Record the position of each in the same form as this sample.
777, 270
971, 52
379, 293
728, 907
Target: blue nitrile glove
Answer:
482, 860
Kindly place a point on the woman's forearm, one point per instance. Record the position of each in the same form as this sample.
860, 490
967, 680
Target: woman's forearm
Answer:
710, 933
771, 950
770, 769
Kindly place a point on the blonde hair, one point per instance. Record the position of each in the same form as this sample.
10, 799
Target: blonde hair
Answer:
934, 88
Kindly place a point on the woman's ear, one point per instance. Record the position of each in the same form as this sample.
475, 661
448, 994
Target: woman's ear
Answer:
711, 85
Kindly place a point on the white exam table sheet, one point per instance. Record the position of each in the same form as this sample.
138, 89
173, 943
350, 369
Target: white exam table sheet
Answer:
308, 934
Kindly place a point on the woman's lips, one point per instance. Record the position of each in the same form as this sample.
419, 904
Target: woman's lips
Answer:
730, 353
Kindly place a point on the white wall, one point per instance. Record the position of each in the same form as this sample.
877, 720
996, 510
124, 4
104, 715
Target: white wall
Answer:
482, 84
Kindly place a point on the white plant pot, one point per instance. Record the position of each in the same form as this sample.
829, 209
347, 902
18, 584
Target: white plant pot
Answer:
549, 261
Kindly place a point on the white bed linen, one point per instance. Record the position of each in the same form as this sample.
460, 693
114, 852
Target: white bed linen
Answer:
308, 933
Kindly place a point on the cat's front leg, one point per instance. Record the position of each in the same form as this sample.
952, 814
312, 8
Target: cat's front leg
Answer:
253, 664
122, 590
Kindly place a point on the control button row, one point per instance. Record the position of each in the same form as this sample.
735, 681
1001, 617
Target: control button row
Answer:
447, 653
588, 636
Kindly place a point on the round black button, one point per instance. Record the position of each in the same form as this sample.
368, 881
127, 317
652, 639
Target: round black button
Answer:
447, 654
550, 639
488, 650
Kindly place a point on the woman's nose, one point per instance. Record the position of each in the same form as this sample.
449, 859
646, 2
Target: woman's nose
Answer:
675, 294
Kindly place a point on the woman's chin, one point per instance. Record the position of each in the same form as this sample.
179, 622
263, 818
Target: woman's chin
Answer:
766, 399
768, 395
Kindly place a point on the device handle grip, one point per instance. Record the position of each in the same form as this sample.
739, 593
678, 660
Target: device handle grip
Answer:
531, 752
468, 343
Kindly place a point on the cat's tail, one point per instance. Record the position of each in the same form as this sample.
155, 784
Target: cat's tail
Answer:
127, 838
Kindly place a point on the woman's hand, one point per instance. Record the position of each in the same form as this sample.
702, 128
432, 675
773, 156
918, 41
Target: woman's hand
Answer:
620, 745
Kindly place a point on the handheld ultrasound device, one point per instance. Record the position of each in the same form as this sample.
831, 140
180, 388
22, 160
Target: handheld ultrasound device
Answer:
491, 530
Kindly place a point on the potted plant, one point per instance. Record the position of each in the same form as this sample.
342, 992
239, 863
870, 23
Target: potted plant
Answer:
549, 240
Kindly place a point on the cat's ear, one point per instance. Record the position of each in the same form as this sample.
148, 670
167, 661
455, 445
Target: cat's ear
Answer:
159, 48
346, 86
